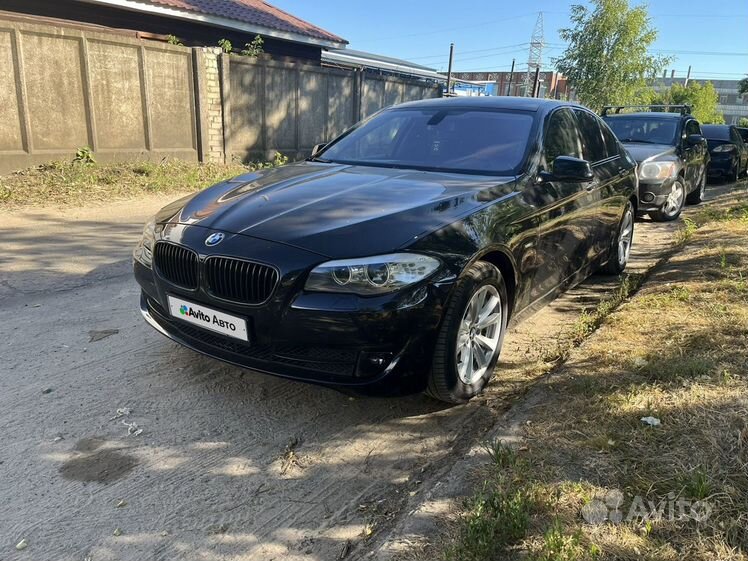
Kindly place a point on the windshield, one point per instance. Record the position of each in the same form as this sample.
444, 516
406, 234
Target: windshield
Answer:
437, 139
650, 131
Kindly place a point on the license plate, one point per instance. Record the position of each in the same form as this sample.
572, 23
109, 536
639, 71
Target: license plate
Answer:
208, 318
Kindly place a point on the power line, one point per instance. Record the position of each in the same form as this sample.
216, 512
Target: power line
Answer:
472, 51
472, 26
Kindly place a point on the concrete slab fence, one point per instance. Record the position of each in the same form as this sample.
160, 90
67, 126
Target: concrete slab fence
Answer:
63, 88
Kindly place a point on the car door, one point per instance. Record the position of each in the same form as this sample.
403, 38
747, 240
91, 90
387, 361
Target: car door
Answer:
737, 140
693, 154
618, 175
566, 210
605, 160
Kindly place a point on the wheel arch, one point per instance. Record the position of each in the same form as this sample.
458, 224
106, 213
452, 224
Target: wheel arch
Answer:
502, 260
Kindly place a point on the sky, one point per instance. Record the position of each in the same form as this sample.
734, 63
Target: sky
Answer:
709, 35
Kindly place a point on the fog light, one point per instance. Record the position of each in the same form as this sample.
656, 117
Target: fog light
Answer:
648, 197
371, 364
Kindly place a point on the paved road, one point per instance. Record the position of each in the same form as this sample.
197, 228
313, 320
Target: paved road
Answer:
230, 464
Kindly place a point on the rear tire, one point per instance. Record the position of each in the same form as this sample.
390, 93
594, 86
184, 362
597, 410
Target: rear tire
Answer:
674, 204
697, 195
621, 246
462, 341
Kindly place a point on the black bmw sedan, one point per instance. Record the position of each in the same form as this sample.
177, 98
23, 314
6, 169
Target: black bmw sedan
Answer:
395, 256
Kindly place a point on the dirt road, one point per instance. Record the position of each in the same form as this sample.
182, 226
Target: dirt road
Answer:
230, 464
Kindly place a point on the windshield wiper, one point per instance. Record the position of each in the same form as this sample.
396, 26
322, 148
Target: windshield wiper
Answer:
320, 160
638, 140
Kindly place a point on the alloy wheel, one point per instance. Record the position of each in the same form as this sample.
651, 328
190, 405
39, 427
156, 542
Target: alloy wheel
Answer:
674, 200
625, 237
478, 335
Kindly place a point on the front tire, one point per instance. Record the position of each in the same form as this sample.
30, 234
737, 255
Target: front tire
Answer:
621, 248
697, 195
673, 205
470, 338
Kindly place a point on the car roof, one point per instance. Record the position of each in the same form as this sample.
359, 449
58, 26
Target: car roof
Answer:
491, 102
716, 127
647, 115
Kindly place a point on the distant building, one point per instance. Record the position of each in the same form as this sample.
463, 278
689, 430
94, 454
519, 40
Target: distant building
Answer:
732, 105
552, 84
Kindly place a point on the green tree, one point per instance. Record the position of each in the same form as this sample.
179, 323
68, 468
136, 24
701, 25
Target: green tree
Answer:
702, 98
743, 86
606, 60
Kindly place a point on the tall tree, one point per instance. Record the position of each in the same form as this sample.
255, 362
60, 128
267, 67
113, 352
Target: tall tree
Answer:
702, 99
743, 86
606, 60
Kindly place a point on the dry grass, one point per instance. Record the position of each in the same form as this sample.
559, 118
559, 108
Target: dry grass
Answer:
678, 351
75, 183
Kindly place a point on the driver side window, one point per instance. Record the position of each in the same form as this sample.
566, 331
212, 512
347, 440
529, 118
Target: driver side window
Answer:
561, 137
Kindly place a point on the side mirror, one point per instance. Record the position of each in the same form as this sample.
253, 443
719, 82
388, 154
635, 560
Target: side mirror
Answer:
566, 168
318, 148
694, 139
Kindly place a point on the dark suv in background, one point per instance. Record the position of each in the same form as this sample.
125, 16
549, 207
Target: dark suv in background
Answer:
671, 152
729, 154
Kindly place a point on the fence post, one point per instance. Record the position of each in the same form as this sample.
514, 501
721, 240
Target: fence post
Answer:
201, 104
224, 80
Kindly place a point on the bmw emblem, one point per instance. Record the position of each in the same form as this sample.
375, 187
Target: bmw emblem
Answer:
214, 239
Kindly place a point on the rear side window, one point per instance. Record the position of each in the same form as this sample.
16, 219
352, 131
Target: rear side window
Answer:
562, 137
593, 147
612, 147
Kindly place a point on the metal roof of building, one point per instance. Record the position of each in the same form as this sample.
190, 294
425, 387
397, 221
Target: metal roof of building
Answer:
244, 15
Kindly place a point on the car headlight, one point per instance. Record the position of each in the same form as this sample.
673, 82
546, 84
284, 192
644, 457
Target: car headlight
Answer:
369, 276
657, 171
143, 252
724, 148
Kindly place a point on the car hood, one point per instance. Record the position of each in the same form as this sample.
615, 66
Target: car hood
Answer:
337, 210
641, 151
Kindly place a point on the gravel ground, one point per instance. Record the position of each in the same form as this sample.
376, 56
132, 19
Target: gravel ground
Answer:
230, 464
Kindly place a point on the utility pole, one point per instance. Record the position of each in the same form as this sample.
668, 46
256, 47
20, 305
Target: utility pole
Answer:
511, 75
449, 70
536, 83
688, 76
535, 58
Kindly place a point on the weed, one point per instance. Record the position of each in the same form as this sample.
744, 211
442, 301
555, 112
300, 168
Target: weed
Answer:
225, 45
686, 232
502, 455
84, 155
697, 484
174, 40
495, 519
253, 48
559, 546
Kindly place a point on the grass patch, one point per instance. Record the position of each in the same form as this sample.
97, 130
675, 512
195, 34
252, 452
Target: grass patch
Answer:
83, 181
591, 480
589, 320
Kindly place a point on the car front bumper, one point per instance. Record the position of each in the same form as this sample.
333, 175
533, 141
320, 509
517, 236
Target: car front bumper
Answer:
653, 195
380, 345
721, 166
